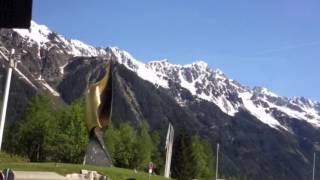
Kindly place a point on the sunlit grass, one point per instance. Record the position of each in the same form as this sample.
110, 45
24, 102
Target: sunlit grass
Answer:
20, 164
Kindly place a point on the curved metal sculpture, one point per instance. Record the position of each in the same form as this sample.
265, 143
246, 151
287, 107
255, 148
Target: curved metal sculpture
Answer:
98, 118
98, 102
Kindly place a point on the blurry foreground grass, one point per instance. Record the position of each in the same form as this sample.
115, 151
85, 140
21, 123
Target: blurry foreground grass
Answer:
9, 158
21, 164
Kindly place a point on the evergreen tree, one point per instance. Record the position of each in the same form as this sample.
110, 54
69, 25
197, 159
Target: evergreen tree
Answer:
144, 147
158, 153
192, 158
202, 152
183, 159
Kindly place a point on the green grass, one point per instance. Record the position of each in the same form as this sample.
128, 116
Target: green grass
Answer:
21, 164
61, 168
7, 158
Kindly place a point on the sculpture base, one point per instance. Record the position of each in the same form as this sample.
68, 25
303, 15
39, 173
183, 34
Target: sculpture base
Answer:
97, 153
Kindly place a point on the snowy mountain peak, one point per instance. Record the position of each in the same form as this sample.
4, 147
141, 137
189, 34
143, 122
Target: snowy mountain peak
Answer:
198, 78
214, 86
264, 91
43, 37
122, 55
161, 61
36, 33
302, 101
199, 63
218, 71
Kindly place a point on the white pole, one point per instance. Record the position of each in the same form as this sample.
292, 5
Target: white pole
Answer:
217, 161
314, 165
166, 172
5, 98
171, 146
169, 143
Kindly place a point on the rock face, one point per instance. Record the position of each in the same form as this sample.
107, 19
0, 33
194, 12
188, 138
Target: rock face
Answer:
262, 135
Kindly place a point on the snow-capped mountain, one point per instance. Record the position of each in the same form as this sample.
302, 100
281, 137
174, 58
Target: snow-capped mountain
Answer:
198, 78
43, 37
214, 86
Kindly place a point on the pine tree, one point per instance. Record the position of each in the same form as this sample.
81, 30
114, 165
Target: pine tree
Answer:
144, 147
183, 159
192, 158
202, 152
158, 153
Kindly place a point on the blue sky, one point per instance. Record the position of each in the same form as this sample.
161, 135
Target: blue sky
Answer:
270, 43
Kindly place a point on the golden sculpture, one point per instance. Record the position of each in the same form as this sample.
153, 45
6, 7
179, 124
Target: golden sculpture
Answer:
98, 102
98, 118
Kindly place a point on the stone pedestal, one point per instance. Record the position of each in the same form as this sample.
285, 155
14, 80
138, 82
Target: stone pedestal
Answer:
97, 153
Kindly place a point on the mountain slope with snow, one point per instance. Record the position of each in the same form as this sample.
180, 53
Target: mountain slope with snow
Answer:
42, 36
214, 86
201, 81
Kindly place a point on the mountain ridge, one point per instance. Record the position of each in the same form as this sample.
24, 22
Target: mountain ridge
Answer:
198, 78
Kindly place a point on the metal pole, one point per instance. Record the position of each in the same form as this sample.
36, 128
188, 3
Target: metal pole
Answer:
217, 161
314, 165
6, 96
169, 144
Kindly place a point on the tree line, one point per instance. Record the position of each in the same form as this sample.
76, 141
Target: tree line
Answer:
49, 133
59, 134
